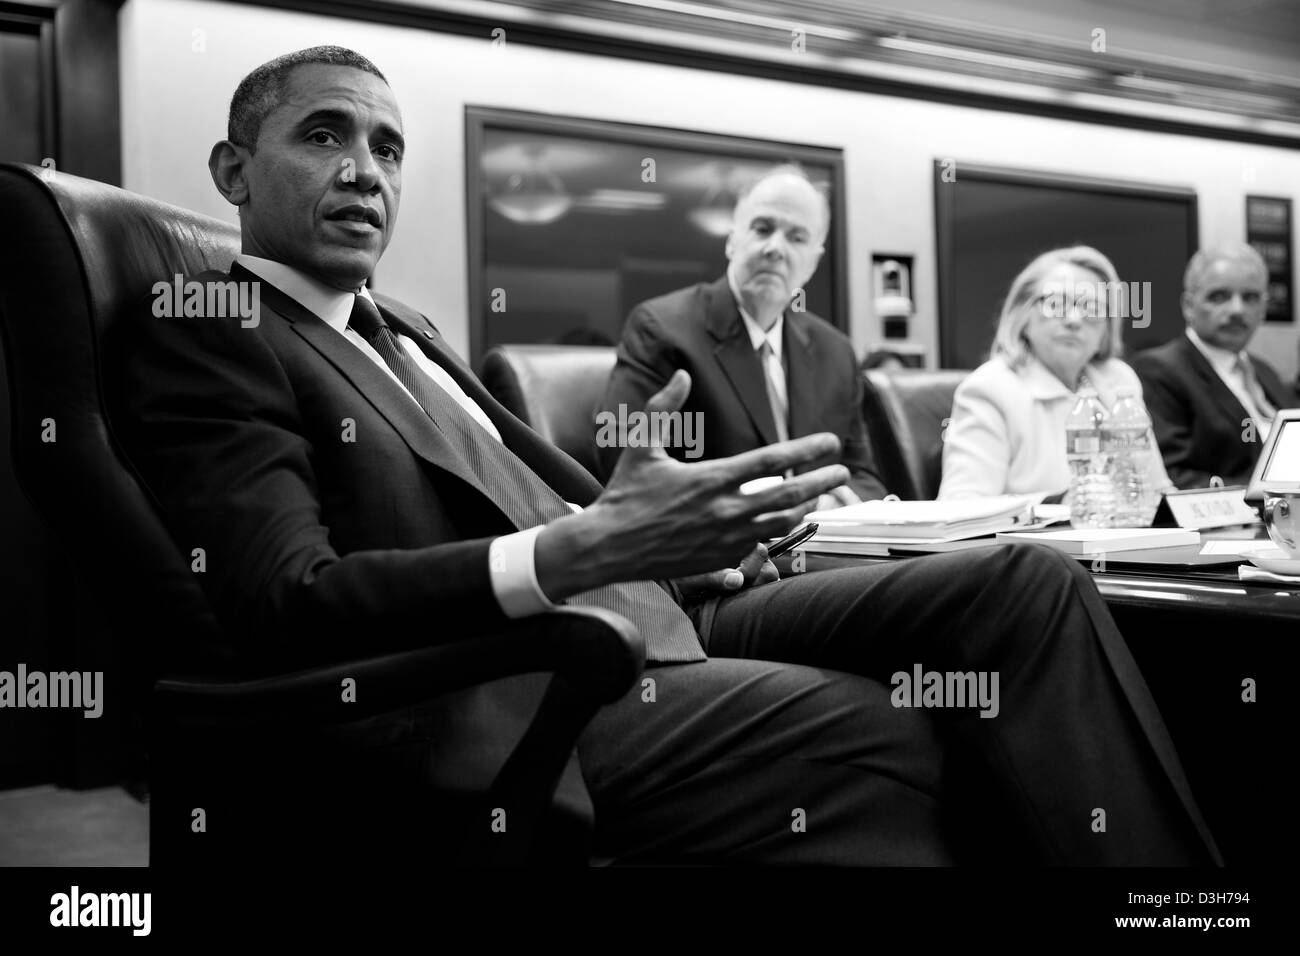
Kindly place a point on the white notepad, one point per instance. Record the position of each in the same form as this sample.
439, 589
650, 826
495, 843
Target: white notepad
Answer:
1099, 540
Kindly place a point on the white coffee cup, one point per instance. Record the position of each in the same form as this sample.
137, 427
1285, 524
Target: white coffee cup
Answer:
1282, 518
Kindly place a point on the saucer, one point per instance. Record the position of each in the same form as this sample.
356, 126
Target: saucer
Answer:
1275, 560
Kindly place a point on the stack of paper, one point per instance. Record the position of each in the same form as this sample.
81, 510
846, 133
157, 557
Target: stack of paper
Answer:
1107, 540
871, 527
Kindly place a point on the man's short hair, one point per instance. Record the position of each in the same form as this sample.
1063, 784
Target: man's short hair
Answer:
1205, 258
787, 169
259, 93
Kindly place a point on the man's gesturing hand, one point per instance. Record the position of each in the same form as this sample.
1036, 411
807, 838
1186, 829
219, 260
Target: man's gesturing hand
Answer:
837, 498
661, 518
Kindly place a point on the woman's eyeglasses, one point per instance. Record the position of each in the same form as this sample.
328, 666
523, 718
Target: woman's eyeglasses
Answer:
1057, 305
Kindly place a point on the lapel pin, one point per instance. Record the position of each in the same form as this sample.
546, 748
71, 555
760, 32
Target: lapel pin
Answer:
427, 334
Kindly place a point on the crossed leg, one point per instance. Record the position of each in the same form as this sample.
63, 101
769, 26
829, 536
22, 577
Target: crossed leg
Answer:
1076, 767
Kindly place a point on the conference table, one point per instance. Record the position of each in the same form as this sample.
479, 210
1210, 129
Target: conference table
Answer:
1201, 636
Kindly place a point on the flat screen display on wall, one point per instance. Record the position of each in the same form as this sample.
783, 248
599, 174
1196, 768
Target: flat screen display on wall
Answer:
573, 222
991, 222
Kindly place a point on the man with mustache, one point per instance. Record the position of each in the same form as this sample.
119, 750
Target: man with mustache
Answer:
1212, 403
761, 369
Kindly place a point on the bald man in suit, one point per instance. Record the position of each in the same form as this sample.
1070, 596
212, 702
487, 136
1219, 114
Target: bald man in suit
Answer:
761, 369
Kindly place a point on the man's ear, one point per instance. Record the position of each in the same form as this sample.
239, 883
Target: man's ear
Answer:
1187, 301
729, 247
226, 164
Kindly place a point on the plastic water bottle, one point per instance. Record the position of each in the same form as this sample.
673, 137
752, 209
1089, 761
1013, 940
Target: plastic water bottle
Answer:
1126, 440
1091, 500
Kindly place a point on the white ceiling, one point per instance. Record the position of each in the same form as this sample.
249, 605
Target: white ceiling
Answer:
1229, 64
1266, 18
1255, 35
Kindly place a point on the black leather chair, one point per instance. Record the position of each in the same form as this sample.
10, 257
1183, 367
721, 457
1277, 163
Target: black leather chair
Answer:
905, 412
248, 749
555, 389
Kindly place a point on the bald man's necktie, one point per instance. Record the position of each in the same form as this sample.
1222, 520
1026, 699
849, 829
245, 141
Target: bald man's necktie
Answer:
523, 497
774, 377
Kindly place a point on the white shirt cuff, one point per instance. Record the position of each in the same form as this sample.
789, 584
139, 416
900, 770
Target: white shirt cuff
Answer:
514, 576
514, 572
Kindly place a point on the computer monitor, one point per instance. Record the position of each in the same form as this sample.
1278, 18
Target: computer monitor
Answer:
1278, 467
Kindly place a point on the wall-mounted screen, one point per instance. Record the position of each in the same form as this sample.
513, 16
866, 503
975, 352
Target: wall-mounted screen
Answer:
990, 223
573, 222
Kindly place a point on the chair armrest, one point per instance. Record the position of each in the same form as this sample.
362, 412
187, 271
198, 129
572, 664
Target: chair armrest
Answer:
598, 652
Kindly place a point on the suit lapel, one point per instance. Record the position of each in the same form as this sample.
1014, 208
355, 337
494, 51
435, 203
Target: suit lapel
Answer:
415, 327
554, 467
387, 397
421, 435
566, 476
735, 353
1278, 394
1214, 387
801, 375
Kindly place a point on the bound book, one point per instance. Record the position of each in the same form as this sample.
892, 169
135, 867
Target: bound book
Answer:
914, 522
1107, 540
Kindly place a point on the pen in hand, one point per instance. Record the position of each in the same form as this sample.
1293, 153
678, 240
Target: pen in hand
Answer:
792, 540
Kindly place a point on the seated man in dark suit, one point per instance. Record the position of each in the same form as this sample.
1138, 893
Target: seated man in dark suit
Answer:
1212, 403
761, 370
357, 491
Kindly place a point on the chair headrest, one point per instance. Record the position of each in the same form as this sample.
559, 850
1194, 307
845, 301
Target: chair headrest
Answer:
124, 242
555, 389
904, 411
918, 391
79, 255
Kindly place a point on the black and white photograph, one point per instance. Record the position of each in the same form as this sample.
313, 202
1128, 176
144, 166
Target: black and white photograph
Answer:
831, 464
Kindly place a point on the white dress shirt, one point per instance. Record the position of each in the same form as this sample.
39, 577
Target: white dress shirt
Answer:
1007, 431
510, 556
1227, 365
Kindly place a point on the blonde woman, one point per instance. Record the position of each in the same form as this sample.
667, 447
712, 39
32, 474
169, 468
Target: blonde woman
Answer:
1059, 331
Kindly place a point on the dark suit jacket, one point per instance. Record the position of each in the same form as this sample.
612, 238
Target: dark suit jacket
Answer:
699, 329
335, 521
1198, 422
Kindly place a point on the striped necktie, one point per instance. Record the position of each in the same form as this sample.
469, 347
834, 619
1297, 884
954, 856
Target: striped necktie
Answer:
1263, 407
774, 377
523, 497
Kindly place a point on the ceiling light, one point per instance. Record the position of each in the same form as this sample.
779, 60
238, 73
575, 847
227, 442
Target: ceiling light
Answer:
533, 196
748, 19
713, 215
986, 59
621, 200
